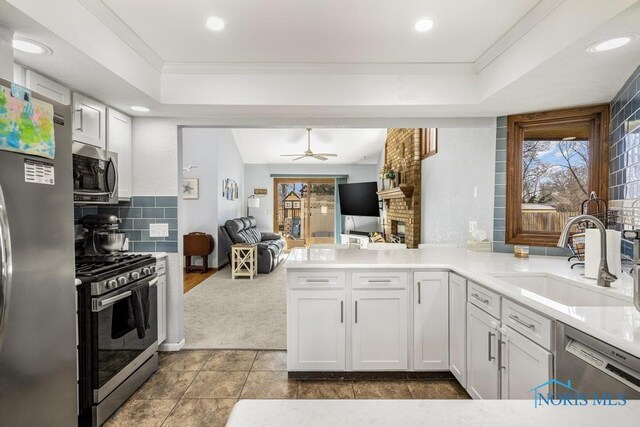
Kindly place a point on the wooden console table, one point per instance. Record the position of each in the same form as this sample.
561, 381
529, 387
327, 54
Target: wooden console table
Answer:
244, 260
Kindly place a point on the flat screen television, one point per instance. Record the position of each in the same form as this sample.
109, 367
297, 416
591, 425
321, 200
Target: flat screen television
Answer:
359, 199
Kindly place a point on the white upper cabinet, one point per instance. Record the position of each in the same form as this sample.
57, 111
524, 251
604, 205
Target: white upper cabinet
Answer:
379, 328
89, 121
431, 318
47, 87
458, 327
119, 141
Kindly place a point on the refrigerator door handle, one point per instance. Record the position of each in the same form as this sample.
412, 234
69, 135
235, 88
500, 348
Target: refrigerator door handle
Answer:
6, 268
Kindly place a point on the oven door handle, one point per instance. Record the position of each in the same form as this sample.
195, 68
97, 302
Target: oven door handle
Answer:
101, 304
153, 282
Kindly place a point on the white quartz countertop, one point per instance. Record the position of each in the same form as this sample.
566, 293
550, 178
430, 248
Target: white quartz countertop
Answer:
618, 325
446, 413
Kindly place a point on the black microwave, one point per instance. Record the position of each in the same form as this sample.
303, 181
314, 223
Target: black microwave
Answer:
95, 175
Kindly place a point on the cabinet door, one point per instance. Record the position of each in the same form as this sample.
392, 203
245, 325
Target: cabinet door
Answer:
379, 330
162, 308
458, 327
89, 121
431, 321
316, 330
482, 354
119, 141
46, 87
524, 365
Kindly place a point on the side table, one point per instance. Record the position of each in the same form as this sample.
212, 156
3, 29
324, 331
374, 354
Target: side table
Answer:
244, 260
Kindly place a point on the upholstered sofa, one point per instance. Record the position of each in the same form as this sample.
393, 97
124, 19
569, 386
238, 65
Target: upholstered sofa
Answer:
243, 230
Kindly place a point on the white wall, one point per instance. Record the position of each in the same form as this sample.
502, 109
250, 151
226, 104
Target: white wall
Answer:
6, 53
465, 160
155, 173
155, 157
216, 154
259, 176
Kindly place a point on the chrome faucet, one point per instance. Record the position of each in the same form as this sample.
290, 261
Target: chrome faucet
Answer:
605, 277
634, 236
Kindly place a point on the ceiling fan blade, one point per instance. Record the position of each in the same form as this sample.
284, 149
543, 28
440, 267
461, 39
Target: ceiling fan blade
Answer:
298, 158
290, 155
319, 157
326, 154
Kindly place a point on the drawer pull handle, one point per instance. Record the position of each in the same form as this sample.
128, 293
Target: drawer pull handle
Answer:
525, 324
482, 300
379, 280
317, 280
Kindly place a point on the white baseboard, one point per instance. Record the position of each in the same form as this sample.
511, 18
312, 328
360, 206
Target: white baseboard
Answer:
171, 346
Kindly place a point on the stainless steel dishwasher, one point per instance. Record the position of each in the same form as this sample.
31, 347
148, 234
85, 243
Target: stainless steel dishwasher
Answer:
594, 366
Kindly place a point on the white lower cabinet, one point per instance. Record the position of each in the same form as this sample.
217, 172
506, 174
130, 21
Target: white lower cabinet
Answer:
430, 321
483, 375
162, 308
379, 330
458, 328
524, 365
316, 330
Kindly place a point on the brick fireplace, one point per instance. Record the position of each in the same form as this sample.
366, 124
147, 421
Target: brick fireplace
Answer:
402, 154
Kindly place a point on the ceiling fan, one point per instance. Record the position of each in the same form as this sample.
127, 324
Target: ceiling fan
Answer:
309, 153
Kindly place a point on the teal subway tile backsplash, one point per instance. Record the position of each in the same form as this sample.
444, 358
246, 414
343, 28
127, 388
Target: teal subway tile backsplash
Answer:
136, 216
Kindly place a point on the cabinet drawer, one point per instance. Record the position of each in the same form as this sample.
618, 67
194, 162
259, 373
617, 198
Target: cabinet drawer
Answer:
161, 266
529, 323
379, 280
484, 299
317, 279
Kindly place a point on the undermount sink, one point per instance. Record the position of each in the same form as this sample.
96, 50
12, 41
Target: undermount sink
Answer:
562, 291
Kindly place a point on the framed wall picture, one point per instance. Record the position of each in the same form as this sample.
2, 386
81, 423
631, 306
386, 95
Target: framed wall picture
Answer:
428, 142
190, 189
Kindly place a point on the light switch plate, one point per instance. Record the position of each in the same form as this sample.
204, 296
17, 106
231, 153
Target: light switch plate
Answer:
159, 230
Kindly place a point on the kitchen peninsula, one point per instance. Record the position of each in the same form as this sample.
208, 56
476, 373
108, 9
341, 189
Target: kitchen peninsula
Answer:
499, 324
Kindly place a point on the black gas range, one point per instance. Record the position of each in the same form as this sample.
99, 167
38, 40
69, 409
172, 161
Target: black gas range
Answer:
105, 273
118, 331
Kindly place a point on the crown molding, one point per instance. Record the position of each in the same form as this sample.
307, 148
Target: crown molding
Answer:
532, 18
462, 68
112, 21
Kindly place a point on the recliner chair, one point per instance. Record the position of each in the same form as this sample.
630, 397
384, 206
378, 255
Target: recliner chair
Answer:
243, 230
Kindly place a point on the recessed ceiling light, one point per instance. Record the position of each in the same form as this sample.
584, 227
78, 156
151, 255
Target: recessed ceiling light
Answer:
568, 138
140, 108
610, 44
30, 46
423, 25
215, 24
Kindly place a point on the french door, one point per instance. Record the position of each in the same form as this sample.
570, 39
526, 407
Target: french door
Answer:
305, 210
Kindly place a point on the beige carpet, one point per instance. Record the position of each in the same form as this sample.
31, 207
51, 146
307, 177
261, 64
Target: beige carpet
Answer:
240, 314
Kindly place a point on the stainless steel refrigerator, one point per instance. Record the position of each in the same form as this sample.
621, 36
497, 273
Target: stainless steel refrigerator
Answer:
38, 384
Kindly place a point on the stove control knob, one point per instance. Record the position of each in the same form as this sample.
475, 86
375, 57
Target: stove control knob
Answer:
111, 284
134, 276
122, 280
153, 268
146, 271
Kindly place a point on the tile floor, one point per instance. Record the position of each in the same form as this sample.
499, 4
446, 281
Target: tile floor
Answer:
199, 388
